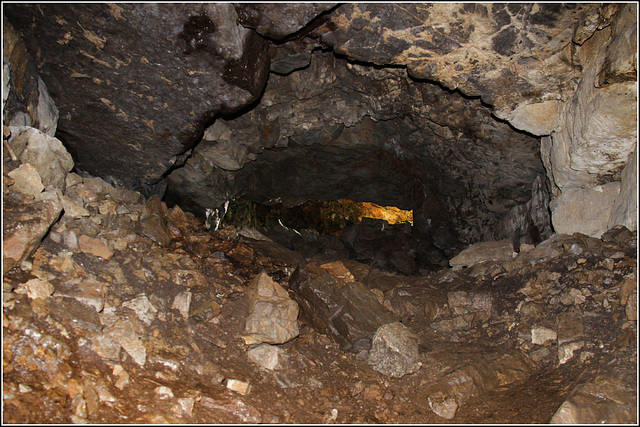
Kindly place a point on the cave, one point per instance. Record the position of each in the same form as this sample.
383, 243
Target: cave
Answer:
320, 213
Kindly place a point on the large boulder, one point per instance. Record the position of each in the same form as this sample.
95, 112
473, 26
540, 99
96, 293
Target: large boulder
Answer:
273, 315
349, 313
584, 210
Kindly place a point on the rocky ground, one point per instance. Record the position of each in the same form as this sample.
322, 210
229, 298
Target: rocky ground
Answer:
117, 309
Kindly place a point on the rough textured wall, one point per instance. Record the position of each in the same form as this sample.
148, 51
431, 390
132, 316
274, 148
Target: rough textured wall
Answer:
341, 130
135, 83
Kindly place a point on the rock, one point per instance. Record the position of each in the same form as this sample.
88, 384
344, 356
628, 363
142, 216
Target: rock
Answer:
273, 315
72, 208
238, 386
182, 302
143, 308
585, 211
45, 153
90, 293
154, 227
631, 309
350, 314
94, 246
25, 224
625, 207
569, 327
338, 270
124, 333
163, 392
566, 350
106, 347
26, 100
246, 413
36, 288
279, 21
26, 180
486, 251
603, 400
541, 335
267, 356
189, 278
74, 313
394, 351
443, 405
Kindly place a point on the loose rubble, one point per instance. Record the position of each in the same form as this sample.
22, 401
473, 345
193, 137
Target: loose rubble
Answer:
118, 309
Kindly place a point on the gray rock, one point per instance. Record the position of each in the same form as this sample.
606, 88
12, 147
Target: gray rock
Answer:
625, 206
586, 210
485, 251
279, 20
45, 153
273, 315
349, 313
394, 351
267, 356
603, 400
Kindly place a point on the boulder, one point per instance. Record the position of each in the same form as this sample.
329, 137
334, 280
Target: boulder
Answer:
25, 223
45, 153
349, 313
584, 210
273, 315
394, 351
500, 250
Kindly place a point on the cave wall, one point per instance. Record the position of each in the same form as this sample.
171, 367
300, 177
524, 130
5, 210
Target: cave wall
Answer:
137, 85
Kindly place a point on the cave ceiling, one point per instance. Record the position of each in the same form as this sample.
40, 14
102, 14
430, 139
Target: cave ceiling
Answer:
390, 103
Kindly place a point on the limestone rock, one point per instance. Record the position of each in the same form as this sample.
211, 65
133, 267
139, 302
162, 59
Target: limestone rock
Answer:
625, 207
394, 351
26, 98
585, 210
279, 20
36, 288
350, 314
182, 303
26, 180
240, 387
267, 356
180, 53
142, 307
603, 400
45, 153
154, 227
273, 315
25, 224
485, 251
94, 246
124, 332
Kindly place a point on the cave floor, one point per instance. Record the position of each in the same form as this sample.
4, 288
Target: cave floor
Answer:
107, 346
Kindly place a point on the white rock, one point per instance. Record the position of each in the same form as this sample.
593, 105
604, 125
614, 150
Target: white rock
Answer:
143, 308
542, 335
164, 392
238, 386
182, 302
267, 356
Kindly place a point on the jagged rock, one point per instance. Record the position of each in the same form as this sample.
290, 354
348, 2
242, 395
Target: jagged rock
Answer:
26, 180
126, 333
143, 308
25, 224
26, 98
339, 271
603, 400
484, 251
182, 303
244, 412
268, 356
240, 387
273, 315
45, 153
281, 20
75, 313
349, 313
625, 207
394, 351
36, 288
94, 246
584, 210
